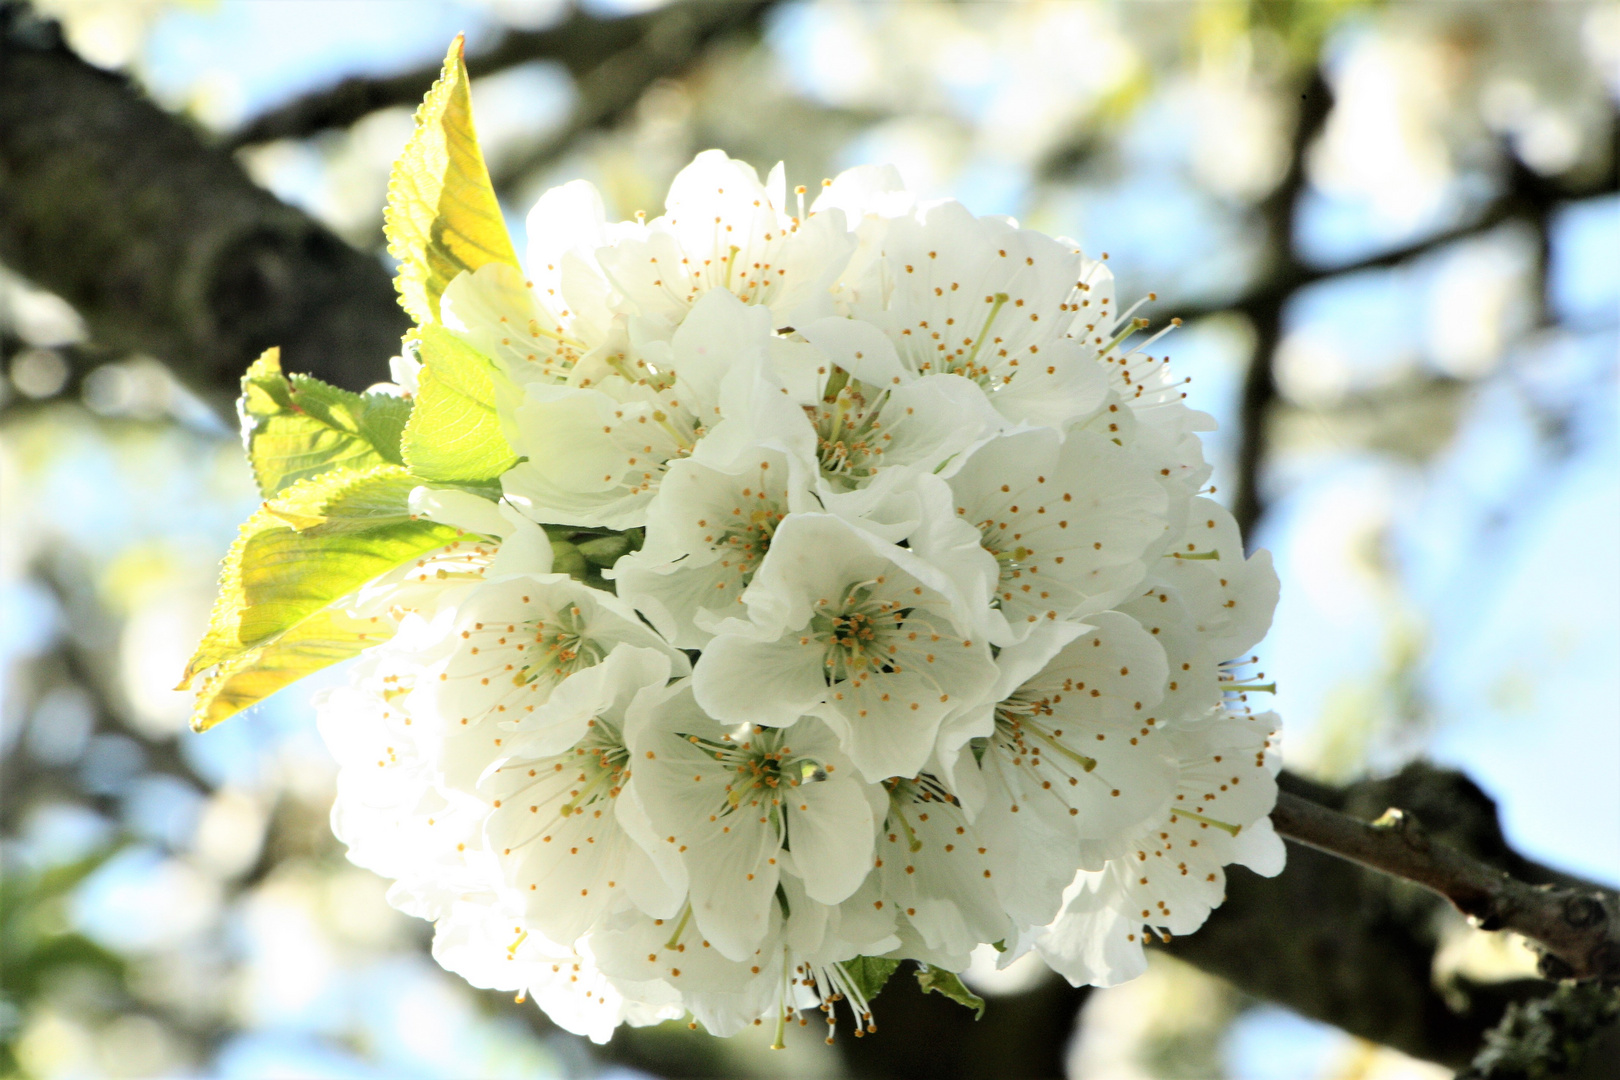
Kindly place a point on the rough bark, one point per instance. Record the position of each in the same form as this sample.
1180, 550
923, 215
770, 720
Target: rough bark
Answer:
1570, 1031
162, 243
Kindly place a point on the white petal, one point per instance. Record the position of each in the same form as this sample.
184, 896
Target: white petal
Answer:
762, 682
831, 833
1093, 942
859, 348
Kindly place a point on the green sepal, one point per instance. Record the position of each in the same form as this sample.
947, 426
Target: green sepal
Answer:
869, 974
297, 427
604, 551
454, 435
566, 558
939, 981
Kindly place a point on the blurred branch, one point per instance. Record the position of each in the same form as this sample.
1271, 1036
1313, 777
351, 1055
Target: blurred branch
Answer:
163, 244
671, 44
1528, 197
926, 1037
1532, 197
78, 661
580, 42
591, 47
1577, 931
1277, 214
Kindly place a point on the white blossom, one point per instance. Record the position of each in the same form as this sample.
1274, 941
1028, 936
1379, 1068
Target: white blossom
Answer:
499, 653
1073, 523
858, 632
597, 454
707, 533
920, 635
743, 805
493, 948
1074, 754
389, 811
937, 873
571, 842
724, 230
987, 301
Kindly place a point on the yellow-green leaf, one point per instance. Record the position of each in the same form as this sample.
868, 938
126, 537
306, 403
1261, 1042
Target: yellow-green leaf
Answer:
352, 527
454, 434
297, 427
322, 639
350, 501
442, 215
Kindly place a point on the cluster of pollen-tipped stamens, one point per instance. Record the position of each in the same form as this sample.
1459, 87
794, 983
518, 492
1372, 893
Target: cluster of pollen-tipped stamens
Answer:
856, 635
546, 345
850, 435
747, 535
561, 647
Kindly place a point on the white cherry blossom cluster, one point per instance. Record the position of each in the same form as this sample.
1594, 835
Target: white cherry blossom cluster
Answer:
926, 647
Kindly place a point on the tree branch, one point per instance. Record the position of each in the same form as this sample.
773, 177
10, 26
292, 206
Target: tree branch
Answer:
610, 89
1577, 930
1356, 948
163, 244
579, 43
1530, 195
124, 212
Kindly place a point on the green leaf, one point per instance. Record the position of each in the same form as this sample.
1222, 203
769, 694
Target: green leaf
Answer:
454, 434
939, 981
442, 216
297, 427
869, 974
295, 557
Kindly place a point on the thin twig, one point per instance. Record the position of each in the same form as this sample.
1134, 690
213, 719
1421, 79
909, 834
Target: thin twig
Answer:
1577, 930
1277, 215
1529, 197
611, 88
579, 42
582, 43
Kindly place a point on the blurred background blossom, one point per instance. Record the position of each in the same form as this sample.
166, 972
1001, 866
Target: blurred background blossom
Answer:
1392, 229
